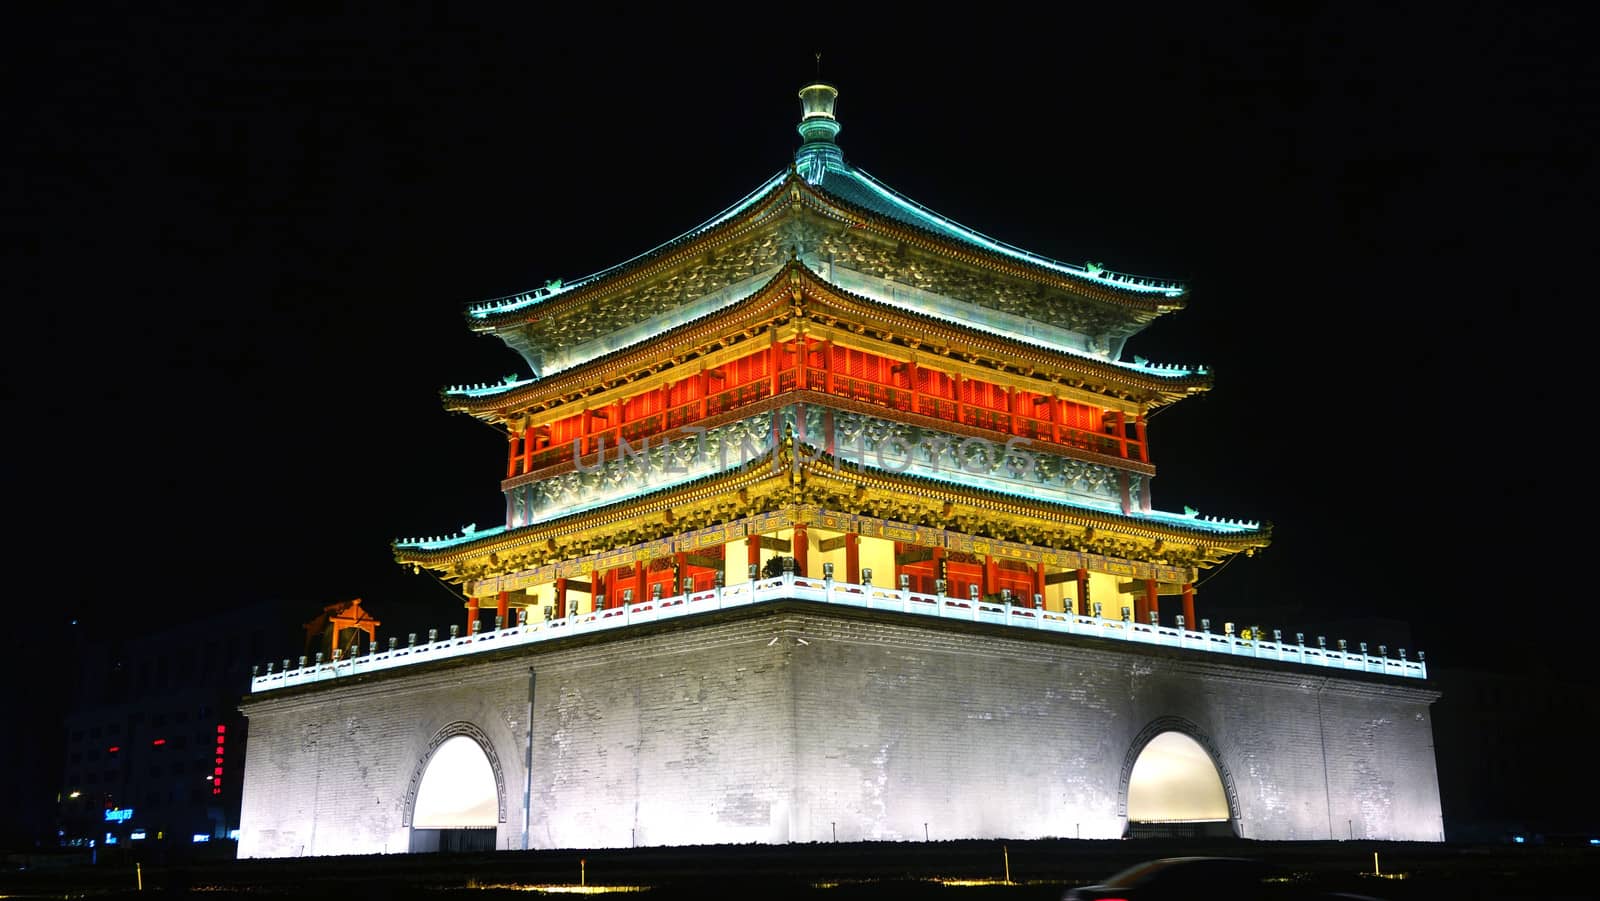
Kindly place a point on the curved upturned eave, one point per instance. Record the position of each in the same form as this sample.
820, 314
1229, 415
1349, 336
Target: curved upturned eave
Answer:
494, 406
697, 240
644, 266
1082, 286
825, 467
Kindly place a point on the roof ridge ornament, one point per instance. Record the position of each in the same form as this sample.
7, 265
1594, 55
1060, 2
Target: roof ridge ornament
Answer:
818, 127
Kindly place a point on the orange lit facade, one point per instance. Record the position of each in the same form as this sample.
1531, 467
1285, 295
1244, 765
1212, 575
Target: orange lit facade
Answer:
827, 378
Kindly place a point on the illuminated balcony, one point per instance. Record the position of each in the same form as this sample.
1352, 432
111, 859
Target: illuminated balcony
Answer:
868, 597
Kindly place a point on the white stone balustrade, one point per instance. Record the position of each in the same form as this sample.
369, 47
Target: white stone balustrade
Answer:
870, 597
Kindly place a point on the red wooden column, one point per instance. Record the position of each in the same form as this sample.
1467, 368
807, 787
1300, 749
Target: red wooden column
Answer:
911, 380
1122, 433
595, 590
1152, 599
680, 572
852, 558
511, 458
777, 354
528, 441
1084, 608
958, 397
561, 599
641, 591
1055, 417
472, 615
800, 549
705, 390
752, 547
938, 568
502, 608
991, 576
1144, 443
1038, 586
1189, 622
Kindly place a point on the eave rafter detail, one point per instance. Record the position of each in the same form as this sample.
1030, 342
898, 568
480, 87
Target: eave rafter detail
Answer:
820, 480
798, 292
794, 193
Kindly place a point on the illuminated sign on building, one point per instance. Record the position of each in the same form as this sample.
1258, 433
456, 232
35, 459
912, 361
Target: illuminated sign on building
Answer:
119, 814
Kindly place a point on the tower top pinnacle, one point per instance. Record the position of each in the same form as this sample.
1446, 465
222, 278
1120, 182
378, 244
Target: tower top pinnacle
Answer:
817, 122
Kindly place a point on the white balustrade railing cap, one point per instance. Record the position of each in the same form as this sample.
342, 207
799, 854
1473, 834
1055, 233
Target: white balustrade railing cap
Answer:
872, 597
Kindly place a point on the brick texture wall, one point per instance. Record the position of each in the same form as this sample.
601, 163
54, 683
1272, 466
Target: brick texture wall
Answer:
790, 722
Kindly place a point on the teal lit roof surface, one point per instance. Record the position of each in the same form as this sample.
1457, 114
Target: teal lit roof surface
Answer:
821, 163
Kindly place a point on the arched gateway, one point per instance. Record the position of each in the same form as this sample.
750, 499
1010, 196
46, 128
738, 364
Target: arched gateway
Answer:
1173, 784
457, 797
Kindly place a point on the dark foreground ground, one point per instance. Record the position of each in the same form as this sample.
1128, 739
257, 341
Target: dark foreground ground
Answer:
957, 871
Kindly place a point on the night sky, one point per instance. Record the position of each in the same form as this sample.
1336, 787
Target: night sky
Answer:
239, 245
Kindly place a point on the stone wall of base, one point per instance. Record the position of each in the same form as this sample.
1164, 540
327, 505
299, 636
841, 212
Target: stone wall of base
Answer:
791, 722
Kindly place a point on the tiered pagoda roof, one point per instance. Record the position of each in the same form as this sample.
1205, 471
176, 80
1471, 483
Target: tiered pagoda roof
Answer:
825, 249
